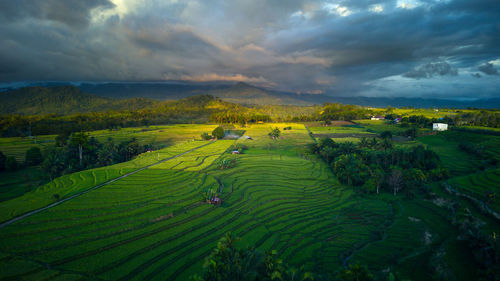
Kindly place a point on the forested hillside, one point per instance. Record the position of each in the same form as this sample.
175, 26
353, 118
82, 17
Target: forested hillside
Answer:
63, 100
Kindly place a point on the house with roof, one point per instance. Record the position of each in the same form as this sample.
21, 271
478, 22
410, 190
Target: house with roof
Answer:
439, 126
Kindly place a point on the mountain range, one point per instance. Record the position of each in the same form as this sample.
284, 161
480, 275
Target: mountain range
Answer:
61, 98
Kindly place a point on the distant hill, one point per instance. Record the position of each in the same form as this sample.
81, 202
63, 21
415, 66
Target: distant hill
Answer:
63, 100
244, 93
135, 95
241, 93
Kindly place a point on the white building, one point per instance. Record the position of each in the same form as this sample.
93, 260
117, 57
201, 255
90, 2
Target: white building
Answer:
439, 126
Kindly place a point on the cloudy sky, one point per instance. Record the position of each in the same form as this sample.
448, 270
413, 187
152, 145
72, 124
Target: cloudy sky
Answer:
424, 48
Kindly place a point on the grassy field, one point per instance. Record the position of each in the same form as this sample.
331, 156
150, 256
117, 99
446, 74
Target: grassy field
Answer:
154, 224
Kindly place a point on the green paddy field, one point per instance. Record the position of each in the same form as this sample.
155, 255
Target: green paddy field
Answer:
154, 224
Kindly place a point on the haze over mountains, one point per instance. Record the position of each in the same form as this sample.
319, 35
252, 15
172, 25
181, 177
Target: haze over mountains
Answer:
61, 98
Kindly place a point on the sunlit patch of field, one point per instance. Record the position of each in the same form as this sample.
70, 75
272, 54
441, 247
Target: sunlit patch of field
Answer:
68, 185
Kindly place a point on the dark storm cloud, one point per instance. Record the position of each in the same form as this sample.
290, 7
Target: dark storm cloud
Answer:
488, 69
341, 47
74, 13
431, 69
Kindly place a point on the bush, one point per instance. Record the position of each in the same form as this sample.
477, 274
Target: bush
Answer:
275, 133
206, 136
227, 163
386, 135
11, 164
239, 147
33, 156
355, 273
218, 133
412, 133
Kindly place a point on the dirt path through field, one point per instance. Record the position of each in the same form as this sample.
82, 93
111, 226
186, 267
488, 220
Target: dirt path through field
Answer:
4, 224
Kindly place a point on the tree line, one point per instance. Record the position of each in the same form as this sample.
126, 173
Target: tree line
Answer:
374, 165
79, 151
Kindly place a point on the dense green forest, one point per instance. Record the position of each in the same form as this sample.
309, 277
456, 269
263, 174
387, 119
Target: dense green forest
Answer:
64, 100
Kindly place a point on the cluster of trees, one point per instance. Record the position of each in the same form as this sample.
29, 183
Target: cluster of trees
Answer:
78, 152
8, 163
477, 118
228, 262
373, 165
338, 111
238, 117
217, 133
418, 121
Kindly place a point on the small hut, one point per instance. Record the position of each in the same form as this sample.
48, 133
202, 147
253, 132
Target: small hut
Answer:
215, 201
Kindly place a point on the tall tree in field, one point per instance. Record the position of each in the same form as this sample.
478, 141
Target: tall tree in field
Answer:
377, 175
395, 180
80, 140
275, 133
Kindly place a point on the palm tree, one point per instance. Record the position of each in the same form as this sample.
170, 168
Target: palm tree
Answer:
363, 142
80, 139
386, 144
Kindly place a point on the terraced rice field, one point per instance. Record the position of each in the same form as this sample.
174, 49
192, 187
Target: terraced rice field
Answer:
340, 133
15, 184
483, 186
68, 185
154, 225
457, 161
446, 145
17, 146
167, 134
378, 126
